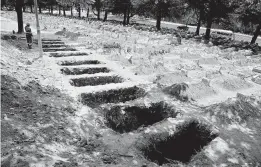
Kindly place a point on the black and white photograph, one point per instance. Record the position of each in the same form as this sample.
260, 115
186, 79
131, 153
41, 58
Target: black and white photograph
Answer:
130, 83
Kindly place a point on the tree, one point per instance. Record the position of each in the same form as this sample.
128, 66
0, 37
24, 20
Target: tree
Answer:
161, 8
199, 6
250, 12
19, 10
216, 10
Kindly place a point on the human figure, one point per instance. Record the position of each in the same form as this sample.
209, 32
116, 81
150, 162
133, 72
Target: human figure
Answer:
28, 35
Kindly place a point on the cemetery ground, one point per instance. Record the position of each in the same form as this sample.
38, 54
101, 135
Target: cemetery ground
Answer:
108, 95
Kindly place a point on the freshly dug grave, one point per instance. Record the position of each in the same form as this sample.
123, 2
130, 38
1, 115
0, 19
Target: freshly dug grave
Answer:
92, 81
187, 141
79, 71
112, 96
68, 54
129, 118
73, 63
58, 49
53, 45
52, 42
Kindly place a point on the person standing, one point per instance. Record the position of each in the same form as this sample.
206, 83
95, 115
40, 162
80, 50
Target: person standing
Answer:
29, 35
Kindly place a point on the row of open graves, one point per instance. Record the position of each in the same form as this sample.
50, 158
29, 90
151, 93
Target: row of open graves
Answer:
163, 134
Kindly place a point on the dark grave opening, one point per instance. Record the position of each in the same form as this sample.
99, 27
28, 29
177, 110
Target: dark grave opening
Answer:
45, 39
52, 42
189, 139
92, 81
112, 96
68, 54
53, 45
73, 63
87, 70
127, 119
58, 49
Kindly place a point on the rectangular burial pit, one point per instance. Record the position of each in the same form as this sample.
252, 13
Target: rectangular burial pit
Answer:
53, 45
92, 81
58, 49
187, 141
112, 96
46, 39
73, 63
87, 70
129, 118
68, 54
52, 42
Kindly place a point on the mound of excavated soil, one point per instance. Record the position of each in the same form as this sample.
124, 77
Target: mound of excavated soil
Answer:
231, 83
200, 90
257, 79
186, 92
172, 78
239, 109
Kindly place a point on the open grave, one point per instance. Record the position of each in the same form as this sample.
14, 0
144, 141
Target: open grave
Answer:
112, 96
58, 49
68, 54
52, 42
72, 63
129, 118
53, 45
92, 81
86, 70
188, 140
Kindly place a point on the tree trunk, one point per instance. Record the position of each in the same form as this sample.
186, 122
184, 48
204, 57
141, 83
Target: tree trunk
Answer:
18, 7
256, 34
125, 17
99, 13
128, 16
105, 16
51, 9
59, 10
79, 10
71, 11
31, 8
158, 18
199, 21
209, 24
64, 14
88, 10
40, 9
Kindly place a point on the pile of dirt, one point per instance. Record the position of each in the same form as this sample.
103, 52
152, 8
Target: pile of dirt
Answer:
33, 117
257, 79
231, 83
185, 92
239, 45
17, 40
240, 109
172, 78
